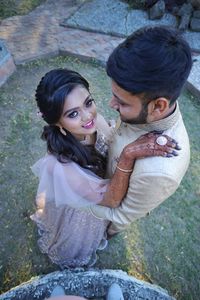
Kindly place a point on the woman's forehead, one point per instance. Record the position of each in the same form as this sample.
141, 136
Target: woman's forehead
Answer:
76, 97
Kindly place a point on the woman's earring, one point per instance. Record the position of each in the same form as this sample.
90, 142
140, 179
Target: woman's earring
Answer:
63, 131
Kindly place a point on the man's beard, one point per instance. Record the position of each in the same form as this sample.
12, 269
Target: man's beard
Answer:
141, 118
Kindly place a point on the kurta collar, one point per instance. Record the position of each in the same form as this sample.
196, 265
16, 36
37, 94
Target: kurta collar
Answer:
160, 125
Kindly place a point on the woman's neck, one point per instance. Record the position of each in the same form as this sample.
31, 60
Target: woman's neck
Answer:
89, 139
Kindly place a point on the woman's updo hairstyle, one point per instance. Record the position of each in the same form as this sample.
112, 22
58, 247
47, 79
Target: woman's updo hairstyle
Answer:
53, 90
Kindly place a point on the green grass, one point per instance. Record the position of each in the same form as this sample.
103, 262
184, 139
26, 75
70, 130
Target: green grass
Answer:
163, 248
9, 8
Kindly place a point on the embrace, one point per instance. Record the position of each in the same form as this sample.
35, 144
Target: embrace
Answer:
96, 179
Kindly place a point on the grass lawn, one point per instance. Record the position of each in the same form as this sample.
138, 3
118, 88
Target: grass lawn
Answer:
163, 248
9, 8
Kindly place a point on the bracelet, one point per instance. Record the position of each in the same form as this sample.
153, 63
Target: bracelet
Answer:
124, 170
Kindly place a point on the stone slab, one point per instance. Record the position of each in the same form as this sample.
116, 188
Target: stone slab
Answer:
34, 35
193, 82
113, 17
86, 45
193, 39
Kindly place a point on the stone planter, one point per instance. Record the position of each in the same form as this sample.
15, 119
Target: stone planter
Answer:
90, 284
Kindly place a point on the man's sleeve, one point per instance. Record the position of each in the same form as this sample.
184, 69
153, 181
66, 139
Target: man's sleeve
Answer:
144, 194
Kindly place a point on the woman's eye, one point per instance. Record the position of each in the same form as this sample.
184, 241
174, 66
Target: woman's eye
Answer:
73, 114
89, 102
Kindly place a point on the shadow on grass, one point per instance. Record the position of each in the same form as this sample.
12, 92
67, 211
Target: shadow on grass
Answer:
163, 248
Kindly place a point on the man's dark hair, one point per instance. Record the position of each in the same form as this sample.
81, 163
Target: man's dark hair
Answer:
155, 61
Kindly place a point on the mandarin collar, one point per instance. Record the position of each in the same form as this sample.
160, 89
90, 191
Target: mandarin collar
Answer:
160, 125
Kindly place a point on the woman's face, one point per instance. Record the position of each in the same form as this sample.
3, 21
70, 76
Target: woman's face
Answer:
79, 113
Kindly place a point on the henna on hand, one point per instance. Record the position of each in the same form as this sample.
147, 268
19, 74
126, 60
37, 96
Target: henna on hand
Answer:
147, 145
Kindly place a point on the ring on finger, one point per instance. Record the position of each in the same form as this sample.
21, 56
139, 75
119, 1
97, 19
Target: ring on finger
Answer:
161, 140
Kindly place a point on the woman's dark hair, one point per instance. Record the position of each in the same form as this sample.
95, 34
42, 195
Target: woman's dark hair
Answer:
154, 61
51, 94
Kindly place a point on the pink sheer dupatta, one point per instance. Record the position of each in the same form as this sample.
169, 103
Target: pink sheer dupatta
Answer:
67, 184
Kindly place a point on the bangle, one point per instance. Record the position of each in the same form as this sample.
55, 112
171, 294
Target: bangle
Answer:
124, 170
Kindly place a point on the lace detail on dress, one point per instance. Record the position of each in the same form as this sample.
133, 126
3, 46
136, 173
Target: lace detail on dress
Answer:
101, 144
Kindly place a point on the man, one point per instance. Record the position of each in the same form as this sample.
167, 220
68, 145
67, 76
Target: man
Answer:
148, 71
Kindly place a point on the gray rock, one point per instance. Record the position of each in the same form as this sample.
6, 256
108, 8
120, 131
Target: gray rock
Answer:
184, 23
193, 82
174, 10
157, 11
195, 3
186, 9
196, 14
89, 284
195, 24
150, 3
193, 38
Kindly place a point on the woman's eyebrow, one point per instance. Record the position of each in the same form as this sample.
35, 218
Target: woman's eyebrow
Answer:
88, 97
75, 108
70, 110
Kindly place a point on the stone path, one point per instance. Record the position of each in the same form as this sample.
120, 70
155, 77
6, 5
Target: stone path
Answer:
113, 17
40, 34
116, 18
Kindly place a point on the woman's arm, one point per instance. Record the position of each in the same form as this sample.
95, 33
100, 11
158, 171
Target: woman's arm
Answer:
144, 146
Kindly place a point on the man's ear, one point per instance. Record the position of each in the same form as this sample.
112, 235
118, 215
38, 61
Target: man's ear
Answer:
158, 109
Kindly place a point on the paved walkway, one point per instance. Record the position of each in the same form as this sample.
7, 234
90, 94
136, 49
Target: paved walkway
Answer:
39, 34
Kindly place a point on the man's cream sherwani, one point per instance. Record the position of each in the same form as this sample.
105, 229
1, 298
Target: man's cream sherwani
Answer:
154, 179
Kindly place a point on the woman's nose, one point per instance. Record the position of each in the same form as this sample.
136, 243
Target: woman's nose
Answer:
86, 116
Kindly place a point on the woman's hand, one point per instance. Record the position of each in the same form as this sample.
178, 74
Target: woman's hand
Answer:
148, 145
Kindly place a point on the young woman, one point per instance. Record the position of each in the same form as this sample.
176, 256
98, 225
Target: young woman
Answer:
71, 174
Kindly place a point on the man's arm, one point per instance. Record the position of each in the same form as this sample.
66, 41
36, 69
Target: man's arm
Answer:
146, 191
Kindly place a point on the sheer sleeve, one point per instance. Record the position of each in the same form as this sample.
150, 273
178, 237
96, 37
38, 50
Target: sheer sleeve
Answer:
68, 183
